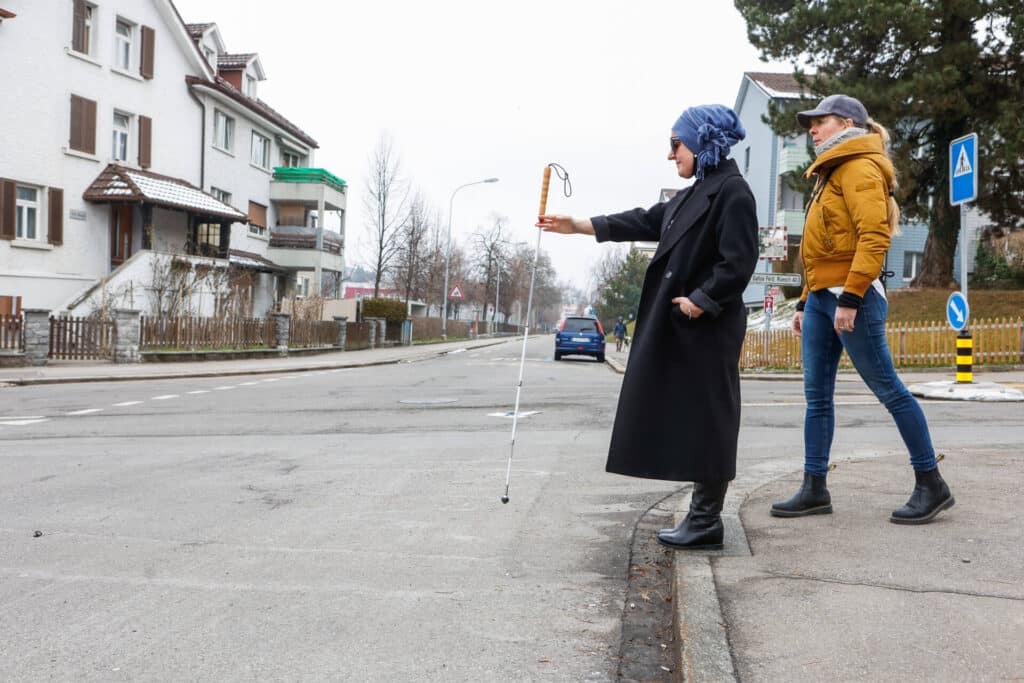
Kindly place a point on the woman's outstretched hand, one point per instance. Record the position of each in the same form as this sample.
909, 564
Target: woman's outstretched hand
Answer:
565, 225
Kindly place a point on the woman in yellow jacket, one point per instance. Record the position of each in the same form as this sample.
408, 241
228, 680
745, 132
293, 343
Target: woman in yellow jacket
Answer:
850, 219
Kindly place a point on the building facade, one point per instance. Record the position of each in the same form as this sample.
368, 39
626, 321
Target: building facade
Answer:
139, 157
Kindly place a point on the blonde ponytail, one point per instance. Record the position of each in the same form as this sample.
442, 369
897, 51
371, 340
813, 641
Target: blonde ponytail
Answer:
893, 215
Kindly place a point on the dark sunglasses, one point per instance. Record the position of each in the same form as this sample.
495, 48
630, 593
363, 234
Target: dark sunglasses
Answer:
674, 142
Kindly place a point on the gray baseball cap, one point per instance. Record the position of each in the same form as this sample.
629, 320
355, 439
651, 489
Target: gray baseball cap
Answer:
843, 106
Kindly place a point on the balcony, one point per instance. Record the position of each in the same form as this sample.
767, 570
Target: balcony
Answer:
295, 247
793, 219
297, 193
792, 156
309, 187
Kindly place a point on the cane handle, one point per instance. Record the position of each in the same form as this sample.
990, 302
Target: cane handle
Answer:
544, 191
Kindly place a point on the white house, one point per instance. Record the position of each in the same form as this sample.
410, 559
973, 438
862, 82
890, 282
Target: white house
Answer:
134, 146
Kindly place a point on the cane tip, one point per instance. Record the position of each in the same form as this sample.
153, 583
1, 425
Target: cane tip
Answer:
504, 499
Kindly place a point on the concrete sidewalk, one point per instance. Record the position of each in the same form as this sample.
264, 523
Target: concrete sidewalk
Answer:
59, 372
849, 596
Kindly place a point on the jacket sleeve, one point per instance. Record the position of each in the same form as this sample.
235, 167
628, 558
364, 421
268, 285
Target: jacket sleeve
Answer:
867, 199
737, 250
638, 225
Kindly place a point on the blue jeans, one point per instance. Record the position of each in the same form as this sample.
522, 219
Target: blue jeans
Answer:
866, 346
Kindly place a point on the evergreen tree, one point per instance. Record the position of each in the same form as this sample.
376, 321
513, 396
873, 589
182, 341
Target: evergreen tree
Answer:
929, 70
620, 294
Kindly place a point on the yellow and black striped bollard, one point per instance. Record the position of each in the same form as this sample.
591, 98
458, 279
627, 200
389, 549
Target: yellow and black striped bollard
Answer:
964, 357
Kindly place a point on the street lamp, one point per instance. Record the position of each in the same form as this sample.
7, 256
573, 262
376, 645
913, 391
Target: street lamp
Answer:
448, 253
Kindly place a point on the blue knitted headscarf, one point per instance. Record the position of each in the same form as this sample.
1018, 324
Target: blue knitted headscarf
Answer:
709, 131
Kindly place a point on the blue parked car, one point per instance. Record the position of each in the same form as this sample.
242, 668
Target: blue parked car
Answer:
580, 335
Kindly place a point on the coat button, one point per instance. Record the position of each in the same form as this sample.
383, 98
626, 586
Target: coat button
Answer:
668, 275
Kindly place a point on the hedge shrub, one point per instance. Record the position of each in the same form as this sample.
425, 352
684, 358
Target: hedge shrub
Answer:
391, 310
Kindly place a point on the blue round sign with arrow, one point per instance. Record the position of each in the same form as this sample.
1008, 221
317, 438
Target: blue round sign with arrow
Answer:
957, 311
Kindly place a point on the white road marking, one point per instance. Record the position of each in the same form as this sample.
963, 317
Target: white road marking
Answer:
248, 384
272, 379
127, 403
509, 414
223, 388
198, 391
87, 411
24, 421
164, 397
22, 417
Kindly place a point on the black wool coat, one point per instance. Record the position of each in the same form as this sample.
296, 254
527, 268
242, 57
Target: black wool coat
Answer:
679, 409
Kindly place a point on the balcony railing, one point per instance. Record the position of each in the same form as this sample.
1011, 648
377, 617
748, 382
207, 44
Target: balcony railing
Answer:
793, 219
302, 237
792, 156
309, 175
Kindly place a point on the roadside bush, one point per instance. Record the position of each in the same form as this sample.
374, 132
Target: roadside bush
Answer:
391, 310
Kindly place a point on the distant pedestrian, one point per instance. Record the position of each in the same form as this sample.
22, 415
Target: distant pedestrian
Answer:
679, 408
619, 332
850, 219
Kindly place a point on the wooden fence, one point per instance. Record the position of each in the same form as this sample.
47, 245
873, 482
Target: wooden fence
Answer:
12, 337
921, 344
357, 336
311, 333
193, 333
82, 338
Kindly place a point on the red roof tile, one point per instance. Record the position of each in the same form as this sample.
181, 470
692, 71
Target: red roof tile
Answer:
226, 61
778, 83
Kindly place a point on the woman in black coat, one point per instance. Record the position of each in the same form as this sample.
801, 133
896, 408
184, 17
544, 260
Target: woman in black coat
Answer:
679, 409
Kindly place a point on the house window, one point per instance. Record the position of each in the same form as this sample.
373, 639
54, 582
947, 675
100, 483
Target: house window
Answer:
912, 264
257, 219
211, 56
223, 131
123, 35
290, 160
250, 86
208, 236
82, 27
221, 195
122, 128
260, 151
26, 211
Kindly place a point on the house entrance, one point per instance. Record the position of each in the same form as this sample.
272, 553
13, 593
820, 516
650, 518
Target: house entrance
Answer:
120, 233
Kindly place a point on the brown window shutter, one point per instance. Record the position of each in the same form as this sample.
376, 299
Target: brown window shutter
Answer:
7, 209
89, 127
145, 141
146, 63
56, 216
77, 114
257, 214
78, 27
83, 125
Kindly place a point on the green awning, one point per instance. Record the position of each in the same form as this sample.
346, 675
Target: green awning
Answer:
309, 175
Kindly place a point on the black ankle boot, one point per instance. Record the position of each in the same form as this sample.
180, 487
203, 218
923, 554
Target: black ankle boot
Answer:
702, 528
812, 499
930, 497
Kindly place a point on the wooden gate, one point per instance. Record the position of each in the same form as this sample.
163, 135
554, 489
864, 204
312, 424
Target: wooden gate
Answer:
82, 338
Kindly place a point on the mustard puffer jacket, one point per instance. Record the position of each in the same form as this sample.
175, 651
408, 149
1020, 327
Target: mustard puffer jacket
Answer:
846, 231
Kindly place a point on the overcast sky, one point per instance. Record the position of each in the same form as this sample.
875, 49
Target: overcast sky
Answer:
471, 89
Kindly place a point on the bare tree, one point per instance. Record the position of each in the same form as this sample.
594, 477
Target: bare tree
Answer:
386, 212
411, 258
488, 252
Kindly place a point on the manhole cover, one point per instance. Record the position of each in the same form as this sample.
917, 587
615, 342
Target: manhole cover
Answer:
427, 401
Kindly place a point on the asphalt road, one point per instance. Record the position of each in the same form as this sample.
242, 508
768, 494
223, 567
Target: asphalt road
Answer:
346, 525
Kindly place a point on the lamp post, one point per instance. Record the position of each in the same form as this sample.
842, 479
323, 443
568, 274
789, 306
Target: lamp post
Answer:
448, 253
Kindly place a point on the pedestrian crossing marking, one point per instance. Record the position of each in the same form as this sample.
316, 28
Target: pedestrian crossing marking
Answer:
963, 163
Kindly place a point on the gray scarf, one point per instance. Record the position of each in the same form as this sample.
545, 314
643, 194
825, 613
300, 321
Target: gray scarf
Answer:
839, 138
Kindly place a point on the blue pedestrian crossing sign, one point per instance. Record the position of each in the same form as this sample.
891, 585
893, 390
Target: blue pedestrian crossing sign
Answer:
963, 170
957, 311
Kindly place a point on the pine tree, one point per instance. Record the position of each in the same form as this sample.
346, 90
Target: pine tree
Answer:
620, 294
931, 71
